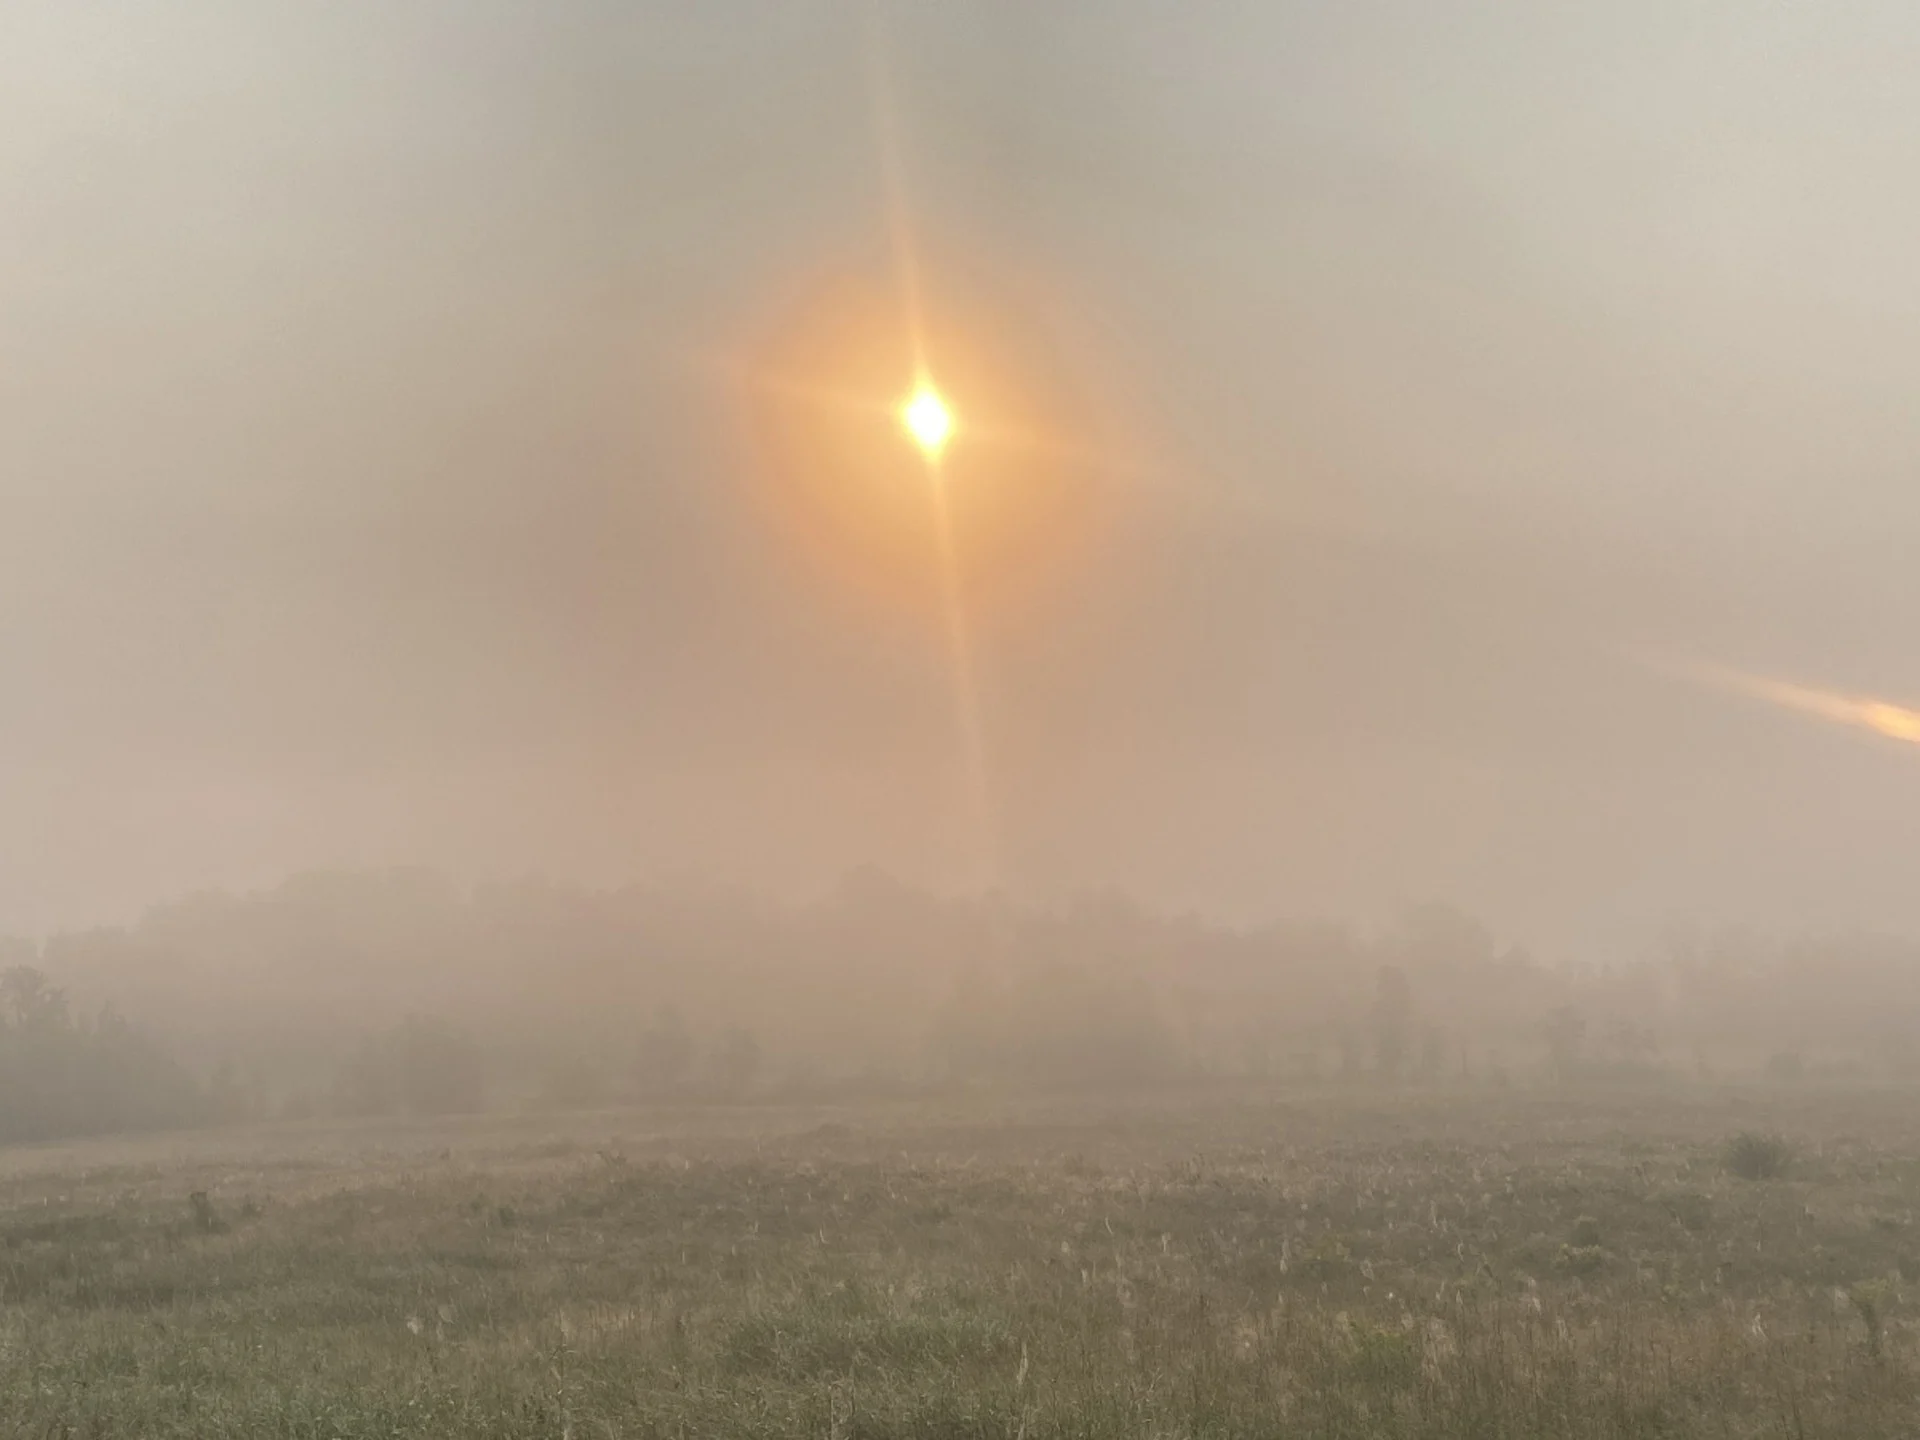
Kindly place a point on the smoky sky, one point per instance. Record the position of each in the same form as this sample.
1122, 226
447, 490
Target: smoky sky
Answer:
371, 486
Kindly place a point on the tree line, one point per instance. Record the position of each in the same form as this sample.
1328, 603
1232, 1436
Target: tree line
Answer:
394, 993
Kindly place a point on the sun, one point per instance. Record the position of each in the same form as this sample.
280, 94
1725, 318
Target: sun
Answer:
927, 419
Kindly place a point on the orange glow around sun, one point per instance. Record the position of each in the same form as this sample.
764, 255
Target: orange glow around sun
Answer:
843, 403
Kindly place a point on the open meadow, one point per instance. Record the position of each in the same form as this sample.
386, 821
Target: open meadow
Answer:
1213, 1266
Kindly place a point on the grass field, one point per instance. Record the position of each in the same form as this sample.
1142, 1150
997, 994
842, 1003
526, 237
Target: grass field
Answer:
1218, 1266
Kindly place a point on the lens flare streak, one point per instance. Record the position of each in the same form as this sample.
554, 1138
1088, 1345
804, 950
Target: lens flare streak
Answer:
1860, 712
1883, 717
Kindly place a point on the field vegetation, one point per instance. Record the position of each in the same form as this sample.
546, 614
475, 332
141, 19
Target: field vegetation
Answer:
1237, 1265
376, 1156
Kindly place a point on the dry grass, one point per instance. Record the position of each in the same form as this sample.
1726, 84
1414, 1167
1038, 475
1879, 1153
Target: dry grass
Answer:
1217, 1268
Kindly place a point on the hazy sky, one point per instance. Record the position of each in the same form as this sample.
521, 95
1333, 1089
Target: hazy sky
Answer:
374, 486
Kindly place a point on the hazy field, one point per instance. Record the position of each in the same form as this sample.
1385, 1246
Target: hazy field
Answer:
1219, 1266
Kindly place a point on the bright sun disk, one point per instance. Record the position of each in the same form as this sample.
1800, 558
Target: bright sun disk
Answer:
927, 419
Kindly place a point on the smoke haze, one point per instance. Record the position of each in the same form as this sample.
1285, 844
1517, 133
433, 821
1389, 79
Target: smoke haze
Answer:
382, 474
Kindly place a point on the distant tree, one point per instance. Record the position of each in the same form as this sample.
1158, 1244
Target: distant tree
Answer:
970, 1029
1088, 993
1565, 1031
421, 1066
736, 1062
1072, 1025
31, 1002
1392, 1020
1436, 936
1352, 1052
228, 1096
1634, 1047
62, 1076
572, 1082
665, 1056
369, 1081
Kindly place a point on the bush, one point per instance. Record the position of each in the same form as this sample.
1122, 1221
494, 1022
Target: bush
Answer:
1689, 1208
1582, 1259
1755, 1156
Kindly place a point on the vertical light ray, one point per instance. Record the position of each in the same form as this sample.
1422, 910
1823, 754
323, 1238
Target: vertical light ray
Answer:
966, 693
905, 255
907, 271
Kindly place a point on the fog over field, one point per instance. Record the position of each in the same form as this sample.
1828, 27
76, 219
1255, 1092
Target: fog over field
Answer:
385, 473
893, 720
